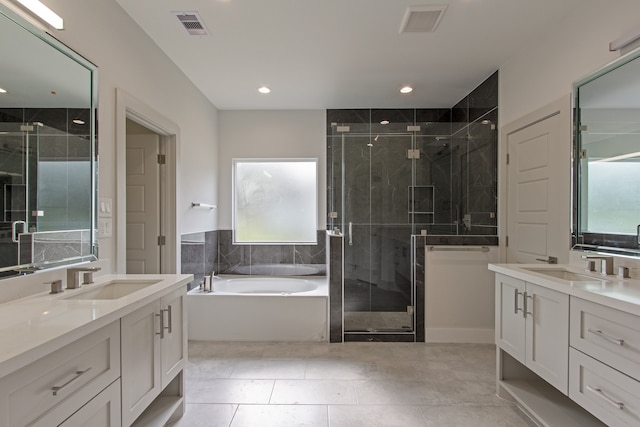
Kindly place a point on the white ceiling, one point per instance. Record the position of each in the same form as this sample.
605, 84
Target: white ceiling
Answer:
317, 54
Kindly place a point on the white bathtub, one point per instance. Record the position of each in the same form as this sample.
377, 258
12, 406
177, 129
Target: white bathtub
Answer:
243, 308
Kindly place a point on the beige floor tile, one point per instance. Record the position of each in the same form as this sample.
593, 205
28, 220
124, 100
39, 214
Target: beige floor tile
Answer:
229, 391
281, 416
375, 416
340, 369
206, 415
208, 369
397, 392
313, 392
458, 416
269, 369
364, 384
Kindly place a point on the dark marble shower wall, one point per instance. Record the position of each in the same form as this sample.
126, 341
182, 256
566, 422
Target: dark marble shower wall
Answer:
455, 191
209, 251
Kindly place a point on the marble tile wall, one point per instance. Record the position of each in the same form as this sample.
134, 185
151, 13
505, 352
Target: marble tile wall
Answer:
209, 251
455, 190
335, 255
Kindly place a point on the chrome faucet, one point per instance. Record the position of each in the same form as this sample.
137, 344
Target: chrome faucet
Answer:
606, 263
73, 276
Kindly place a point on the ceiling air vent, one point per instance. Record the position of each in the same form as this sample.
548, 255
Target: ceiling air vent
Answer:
422, 19
192, 22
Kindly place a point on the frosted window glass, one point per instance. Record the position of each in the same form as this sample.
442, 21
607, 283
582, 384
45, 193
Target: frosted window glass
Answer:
275, 201
613, 208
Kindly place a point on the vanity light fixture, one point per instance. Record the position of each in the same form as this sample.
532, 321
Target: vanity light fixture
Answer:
2, 90
44, 13
78, 121
625, 40
406, 89
264, 89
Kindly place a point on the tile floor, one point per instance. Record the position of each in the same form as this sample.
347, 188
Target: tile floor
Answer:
349, 384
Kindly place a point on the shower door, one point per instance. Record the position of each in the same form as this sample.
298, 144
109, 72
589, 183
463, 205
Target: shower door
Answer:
18, 143
376, 218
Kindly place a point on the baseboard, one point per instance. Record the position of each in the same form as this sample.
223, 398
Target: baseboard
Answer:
459, 335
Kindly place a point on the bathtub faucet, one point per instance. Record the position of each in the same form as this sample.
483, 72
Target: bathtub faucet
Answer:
207, 282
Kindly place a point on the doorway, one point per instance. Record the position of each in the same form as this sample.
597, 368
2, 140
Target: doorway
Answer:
144, 190
146, 161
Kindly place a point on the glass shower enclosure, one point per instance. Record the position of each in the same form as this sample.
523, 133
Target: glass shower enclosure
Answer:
379, 197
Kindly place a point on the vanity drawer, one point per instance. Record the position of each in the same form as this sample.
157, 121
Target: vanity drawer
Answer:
608, 335
608, 394
74, 374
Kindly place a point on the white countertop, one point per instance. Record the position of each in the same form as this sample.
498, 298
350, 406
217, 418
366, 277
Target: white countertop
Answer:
611, 291
34, 326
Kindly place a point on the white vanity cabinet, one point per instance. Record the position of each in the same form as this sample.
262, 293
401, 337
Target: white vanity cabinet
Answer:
95, 357
50, 390
605, 362
532, 325
153, 353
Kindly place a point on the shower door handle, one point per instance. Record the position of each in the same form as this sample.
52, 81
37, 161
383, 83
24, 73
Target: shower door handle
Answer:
14, 229
350, 234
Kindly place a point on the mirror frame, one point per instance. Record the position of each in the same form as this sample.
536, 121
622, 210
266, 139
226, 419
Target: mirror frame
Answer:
616, 244
17, 18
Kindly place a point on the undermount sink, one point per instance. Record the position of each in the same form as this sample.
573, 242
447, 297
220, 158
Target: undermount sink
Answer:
560, 273
113, 290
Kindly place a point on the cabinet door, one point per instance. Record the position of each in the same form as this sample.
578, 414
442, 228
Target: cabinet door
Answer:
510, 316
174, 337
547, 348
140, 360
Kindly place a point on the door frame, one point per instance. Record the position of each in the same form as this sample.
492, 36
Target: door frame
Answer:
562, 107
129, 107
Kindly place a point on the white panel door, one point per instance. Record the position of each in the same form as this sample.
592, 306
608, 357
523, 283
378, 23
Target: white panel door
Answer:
143, 222
538, 190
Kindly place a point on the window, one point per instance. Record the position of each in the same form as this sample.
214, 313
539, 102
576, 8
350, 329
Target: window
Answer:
275, 201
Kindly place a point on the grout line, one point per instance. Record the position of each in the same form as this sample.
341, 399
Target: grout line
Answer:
235, 412
273, 387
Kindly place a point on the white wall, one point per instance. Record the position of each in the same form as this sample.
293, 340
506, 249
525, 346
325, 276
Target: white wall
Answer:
459, 295
545, 69
270, 134
127, 59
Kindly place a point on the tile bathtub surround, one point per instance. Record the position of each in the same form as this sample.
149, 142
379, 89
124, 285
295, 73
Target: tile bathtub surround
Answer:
240, 258
208, 251
349, 384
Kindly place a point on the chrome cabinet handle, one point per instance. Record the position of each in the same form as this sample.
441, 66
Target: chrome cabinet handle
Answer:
161, 317
606, 336
526, 305
169, 327
603, 396
350, 234
58, 388
516, 309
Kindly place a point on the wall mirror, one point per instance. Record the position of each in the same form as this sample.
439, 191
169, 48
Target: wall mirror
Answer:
606, 209
47, 151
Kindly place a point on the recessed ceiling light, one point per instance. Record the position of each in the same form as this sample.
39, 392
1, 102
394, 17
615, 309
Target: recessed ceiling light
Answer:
264, 89
384, 122
406, 89
2, 90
